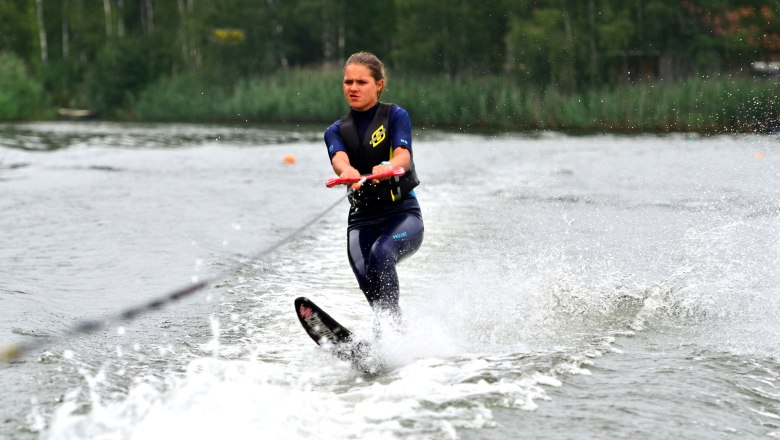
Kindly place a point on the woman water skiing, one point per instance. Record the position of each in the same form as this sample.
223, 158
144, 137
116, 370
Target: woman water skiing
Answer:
385, 222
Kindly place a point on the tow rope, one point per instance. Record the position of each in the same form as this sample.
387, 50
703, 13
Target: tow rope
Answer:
11, 352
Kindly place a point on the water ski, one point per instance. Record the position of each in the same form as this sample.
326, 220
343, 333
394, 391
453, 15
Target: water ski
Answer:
329, 334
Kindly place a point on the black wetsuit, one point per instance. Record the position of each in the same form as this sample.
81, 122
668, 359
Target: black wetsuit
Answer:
385, 226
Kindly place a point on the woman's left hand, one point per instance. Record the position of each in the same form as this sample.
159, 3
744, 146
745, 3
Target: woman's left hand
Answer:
384, 167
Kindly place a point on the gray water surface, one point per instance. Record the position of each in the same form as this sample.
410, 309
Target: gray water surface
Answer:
568, 287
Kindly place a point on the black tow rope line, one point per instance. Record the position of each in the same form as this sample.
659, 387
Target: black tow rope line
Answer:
11, 352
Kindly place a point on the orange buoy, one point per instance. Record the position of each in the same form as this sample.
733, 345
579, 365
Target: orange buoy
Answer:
289, 159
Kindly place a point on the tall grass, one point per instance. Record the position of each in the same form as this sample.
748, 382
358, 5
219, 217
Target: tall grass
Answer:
489, 102
292, 96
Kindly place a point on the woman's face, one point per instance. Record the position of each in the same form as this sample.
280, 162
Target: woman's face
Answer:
360, 88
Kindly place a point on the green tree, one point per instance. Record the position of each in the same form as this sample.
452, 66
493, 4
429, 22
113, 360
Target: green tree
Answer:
19, 29
120, 70
450, 36
541, 47
21, 97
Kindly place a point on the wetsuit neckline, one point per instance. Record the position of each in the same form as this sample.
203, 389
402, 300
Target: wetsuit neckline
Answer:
363, 120
367, 113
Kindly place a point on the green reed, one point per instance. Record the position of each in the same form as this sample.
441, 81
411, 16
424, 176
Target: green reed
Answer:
708, 105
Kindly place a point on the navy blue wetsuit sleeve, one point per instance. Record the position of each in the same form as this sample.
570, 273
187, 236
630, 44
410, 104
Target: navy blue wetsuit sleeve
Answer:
333, 139
401, 128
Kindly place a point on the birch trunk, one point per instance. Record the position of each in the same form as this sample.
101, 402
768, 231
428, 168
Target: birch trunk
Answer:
150, 16
107, 12
42, 32
593, 54
120, 25
65, 30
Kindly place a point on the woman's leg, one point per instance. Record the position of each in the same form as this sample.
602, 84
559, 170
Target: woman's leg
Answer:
374, 252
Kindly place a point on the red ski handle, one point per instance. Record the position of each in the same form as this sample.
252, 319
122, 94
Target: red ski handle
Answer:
333, 181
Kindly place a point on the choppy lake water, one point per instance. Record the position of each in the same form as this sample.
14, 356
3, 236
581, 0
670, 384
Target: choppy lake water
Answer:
568, 287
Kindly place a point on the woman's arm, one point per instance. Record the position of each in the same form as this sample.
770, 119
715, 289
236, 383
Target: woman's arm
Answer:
342, 167
401, 158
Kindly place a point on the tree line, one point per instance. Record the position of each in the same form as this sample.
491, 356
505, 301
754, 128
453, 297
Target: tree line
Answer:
101, 54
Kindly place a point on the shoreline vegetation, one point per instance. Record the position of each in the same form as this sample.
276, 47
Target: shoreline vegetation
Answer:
490, 102
497, 65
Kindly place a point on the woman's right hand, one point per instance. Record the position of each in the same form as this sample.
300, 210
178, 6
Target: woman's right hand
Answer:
344, 169
351, 173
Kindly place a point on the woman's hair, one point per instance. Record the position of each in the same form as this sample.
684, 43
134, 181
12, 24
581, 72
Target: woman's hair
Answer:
373, 63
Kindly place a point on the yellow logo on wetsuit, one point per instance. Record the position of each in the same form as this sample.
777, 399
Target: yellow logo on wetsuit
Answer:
378, 136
